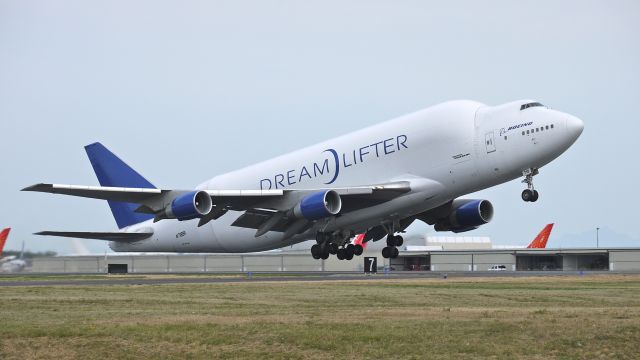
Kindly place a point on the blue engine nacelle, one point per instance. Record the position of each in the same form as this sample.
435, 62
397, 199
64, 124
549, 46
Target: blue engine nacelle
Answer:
194, 204
318, 205
466, 215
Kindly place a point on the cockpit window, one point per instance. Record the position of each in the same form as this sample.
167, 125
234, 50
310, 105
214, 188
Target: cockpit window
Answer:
528, 105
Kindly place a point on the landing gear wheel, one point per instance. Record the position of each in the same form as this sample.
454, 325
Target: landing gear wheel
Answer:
324, 251
386, 252
398, 240
348, 255
391, 241
394, 240
333, 249
340, 254
394, 252
527, 195
348, 252
315, 251
535, 196
358, 250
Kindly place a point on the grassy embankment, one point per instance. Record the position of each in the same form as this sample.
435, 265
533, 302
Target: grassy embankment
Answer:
561, 317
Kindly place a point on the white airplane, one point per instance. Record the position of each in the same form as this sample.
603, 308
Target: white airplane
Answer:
375, 181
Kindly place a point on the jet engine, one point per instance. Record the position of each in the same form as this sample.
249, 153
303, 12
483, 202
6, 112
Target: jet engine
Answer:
466, 215
194, 204
318, 205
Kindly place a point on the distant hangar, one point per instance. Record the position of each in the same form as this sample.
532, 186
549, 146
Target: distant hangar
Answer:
572, 259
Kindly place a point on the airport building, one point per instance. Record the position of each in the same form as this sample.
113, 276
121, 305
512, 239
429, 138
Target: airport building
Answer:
573, 259
588, 259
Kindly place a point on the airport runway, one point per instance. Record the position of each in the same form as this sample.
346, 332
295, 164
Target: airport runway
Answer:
135, 279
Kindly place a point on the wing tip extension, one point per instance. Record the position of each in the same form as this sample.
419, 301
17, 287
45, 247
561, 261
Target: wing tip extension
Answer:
38, 187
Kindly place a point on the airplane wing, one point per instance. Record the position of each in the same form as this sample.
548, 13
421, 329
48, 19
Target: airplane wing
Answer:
234, 199
265, 210
133, 199
131, 195
111, 236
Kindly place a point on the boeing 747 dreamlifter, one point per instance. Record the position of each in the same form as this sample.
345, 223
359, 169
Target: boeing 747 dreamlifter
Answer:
375, 181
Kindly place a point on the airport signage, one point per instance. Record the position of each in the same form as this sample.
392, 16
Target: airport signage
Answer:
370, 265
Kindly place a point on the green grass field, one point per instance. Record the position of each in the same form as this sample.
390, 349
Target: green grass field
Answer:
588, 317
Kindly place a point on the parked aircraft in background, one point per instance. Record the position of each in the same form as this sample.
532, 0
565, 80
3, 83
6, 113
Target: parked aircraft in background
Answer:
414, 242
374, 181
10, 263
4, 235
540, 242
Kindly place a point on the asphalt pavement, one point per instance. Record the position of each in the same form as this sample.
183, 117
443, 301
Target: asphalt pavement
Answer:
136, 279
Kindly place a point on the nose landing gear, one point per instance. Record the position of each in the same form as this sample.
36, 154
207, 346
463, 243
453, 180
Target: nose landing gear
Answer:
529, 194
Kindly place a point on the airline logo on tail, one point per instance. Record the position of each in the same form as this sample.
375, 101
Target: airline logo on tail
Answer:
540, 242
3, 238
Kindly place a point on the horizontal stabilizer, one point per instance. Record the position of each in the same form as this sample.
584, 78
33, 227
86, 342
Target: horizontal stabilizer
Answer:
110, 236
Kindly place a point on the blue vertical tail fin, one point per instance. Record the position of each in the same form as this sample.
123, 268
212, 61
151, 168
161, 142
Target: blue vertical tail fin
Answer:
111, 171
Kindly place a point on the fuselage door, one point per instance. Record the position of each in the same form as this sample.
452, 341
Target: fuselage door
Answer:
489, 142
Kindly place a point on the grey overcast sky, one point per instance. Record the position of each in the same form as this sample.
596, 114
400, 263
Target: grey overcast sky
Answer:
186, 90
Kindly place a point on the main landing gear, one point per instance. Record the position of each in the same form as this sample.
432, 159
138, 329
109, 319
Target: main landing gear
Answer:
349, 251
529, 194
391, 250
330, 244
320, 251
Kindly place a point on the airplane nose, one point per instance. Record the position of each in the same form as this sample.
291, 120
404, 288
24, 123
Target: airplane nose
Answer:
574, 127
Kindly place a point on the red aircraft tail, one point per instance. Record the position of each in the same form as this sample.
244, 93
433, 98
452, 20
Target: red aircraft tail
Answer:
540, 242
358, 241
3, 238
